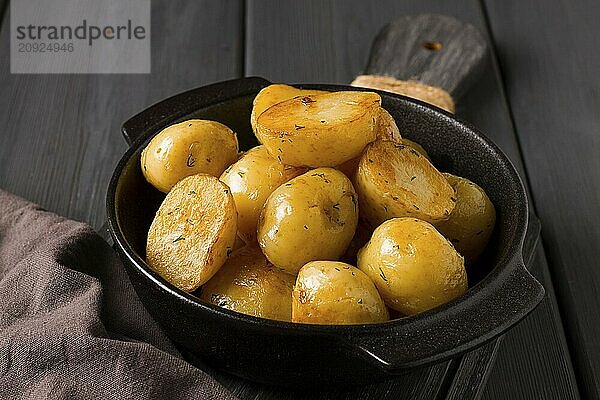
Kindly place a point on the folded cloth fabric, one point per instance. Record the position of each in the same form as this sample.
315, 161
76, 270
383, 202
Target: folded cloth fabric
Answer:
71, 325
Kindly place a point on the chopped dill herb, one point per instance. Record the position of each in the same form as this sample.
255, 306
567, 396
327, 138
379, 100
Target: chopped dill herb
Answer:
180, 238
382, 274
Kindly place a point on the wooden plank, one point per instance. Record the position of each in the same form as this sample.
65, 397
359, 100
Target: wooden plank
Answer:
552, 81
329, 42
529, 339
61, 133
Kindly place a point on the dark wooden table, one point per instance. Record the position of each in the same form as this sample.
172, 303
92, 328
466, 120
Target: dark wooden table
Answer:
539, 99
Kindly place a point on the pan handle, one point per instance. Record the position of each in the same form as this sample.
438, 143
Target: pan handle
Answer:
487, 311
157, 116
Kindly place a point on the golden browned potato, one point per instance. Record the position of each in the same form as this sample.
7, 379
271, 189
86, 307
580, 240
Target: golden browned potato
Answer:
413, 266
274, 94
336, 293
387, 128
472, 221
321, 129
193, 232
249, 284
394, 180
415, 146
184, 149
311, 217
251, 180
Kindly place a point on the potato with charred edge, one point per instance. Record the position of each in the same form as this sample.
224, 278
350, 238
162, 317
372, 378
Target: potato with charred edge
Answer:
413, 266
319, 130
471, 222
248, 283
311, 217
193, 232
394, 180
188, 148
329, 292
274, 94
251, 180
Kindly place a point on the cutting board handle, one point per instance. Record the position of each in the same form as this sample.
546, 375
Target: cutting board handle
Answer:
436, 50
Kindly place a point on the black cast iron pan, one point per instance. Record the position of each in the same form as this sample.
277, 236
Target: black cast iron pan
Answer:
501, 290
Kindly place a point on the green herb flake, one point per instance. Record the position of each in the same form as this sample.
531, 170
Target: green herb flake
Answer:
241, 174
382, 274
180, 238
190, 160
412, 178
192, 192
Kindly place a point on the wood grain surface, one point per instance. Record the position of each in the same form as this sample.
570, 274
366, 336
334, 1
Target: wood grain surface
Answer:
553, 86
60, 140
61, 135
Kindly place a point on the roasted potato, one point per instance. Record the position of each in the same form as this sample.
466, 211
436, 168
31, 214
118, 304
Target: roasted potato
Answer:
248, 283
415, 146
471, 222
193, 232
394, 180
184, 149
413, 266
311, 217
274, 94
317, 130
387, 128
329, 292
251, 180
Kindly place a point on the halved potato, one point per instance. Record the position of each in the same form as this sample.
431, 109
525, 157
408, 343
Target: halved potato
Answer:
472, 221
193, 232
311, 217
329, 292
250, 284
251, 180
274, 94
321, 129
387, 128
188, 148
413, 266
415, 146
394, 180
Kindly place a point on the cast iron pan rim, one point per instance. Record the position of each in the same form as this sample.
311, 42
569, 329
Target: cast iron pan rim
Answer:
503, 266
